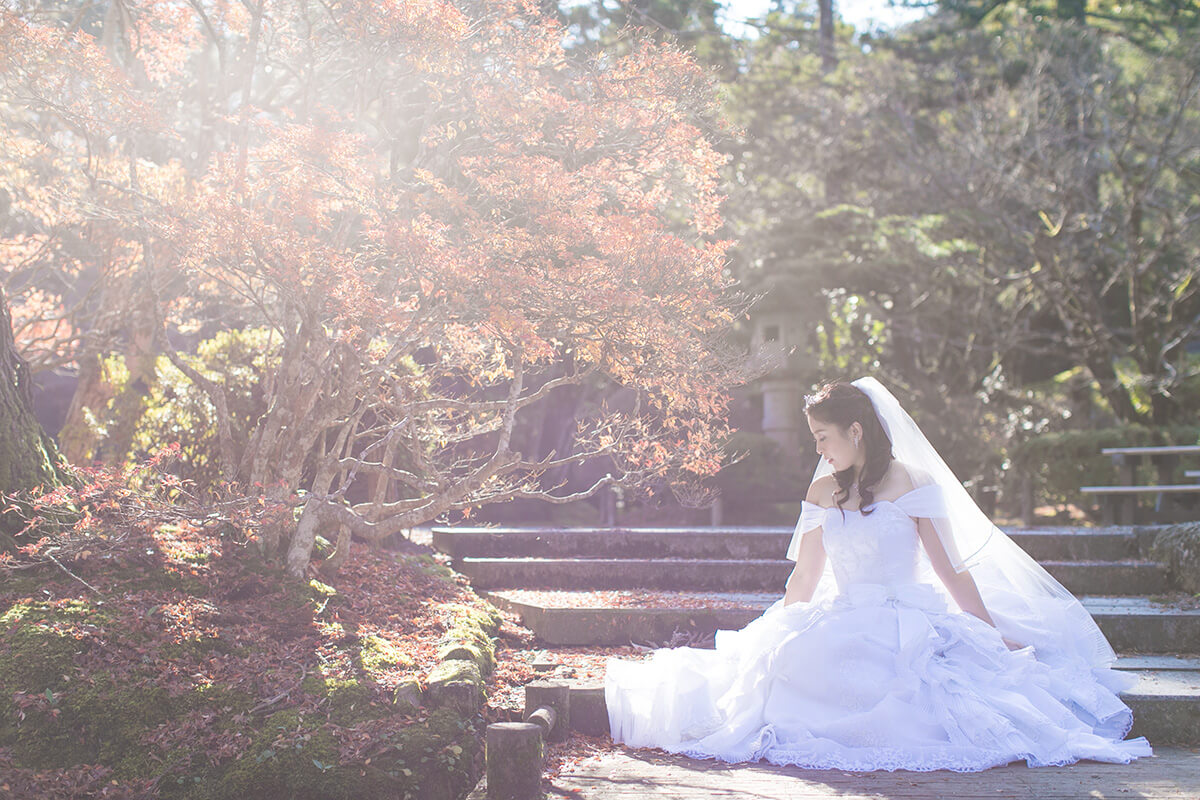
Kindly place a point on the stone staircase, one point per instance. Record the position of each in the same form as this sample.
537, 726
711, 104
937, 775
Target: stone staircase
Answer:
616, 586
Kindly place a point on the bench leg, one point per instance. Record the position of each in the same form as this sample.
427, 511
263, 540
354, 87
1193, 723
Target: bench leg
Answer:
1126, 467
1107, 509
1128, 509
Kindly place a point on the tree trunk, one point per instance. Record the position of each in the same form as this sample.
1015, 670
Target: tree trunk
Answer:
1072, 9
1110, 387
300, 550
28, 457
834, 172
77, 440
825, 33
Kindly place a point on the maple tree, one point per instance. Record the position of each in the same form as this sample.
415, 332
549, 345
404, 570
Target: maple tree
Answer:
440, 216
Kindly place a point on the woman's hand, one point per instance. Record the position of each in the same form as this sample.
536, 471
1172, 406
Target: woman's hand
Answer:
1011, 644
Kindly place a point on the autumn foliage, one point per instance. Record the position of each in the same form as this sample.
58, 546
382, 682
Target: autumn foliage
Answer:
440, 217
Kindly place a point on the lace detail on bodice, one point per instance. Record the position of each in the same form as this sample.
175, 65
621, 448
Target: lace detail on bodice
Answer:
880, 547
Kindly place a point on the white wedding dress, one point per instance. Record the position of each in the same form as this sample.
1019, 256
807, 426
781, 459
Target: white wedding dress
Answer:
883, 676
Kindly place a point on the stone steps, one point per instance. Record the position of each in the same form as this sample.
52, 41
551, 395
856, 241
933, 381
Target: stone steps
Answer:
1165, 703
660, 586
734, 575
1165, 700
754, 543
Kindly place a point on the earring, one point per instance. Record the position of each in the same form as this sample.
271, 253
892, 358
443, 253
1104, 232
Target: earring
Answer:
855, 440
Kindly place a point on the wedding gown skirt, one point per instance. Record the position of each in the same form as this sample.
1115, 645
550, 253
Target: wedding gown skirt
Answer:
883, 676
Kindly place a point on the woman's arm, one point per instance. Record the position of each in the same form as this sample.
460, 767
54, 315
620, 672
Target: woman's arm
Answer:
809, 565
960, 584
810, 561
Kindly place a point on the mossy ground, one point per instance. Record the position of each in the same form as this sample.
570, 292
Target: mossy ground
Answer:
199, 672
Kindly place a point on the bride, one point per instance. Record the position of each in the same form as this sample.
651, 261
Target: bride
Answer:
913, 633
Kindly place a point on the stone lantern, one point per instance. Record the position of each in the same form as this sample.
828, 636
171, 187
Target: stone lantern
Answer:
782, 393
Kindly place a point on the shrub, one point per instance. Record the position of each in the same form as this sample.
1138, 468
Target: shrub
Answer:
1178, 546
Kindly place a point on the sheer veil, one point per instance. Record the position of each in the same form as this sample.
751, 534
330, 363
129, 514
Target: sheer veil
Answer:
1026, 602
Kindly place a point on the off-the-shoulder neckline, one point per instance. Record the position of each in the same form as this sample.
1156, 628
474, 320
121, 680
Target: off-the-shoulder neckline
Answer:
893, 502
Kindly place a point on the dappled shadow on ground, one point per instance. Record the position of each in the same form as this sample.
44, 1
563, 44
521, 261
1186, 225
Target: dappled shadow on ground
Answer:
172, 654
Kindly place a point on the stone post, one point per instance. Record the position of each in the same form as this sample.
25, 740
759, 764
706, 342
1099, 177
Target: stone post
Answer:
555, 695
514, 755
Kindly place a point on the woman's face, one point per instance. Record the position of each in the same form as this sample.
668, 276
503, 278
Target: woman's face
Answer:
834, 443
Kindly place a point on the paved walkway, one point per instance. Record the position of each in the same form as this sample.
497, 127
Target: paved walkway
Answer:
1173, 774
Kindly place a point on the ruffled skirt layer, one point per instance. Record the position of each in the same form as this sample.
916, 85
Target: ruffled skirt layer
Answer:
881, 678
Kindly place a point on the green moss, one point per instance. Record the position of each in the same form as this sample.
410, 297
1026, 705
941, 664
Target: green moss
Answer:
104, 718
114, 716
464, 651
38, 649
380, 656
196, 648
158, 579
347, 700
36, 656
287, 759
406, 698
321, 591
434, 760
469, 643
455, 684
429, 566
86, 719
470, 635
292, 758
453, 671
99, 721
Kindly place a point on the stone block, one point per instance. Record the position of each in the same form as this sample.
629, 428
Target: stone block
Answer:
456, 684
407, 697
589, 714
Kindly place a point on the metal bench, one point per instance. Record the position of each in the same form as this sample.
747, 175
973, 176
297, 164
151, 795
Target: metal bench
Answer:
1119, 503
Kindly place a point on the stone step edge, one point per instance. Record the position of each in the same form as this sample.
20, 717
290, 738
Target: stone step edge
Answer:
1164, 717
1130, 627
774, 530
617, 562
1088, 547
1121, 605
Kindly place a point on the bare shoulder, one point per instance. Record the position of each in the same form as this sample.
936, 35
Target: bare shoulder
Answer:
897, 481
821, 490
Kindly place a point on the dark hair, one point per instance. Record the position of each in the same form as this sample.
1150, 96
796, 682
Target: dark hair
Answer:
842, 404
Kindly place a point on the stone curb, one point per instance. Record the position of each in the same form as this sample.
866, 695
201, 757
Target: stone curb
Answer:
467, 656
761, 575
1100, 544
1130, 624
